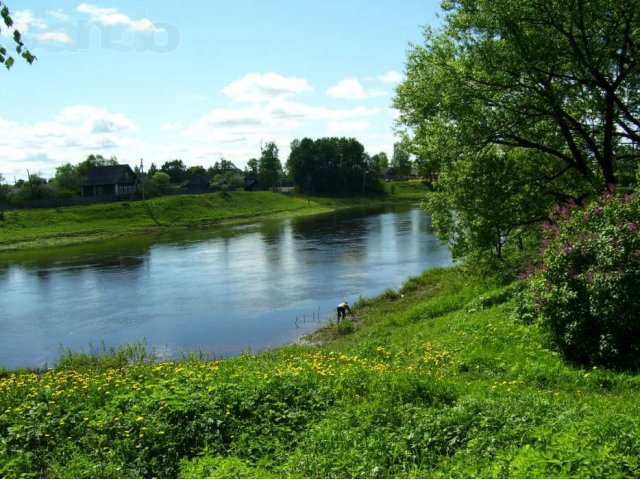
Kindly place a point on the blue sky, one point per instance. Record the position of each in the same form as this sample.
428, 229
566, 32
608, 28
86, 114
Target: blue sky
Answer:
198, 80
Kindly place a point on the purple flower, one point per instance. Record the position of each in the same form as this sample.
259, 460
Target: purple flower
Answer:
597, 210
632, 227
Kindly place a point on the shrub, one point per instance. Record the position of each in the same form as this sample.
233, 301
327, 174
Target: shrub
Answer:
588, 292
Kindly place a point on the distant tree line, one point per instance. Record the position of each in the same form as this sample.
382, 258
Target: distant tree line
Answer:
323, 166
333, 165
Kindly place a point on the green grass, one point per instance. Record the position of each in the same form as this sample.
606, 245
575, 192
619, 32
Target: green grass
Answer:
41, 228
437, 379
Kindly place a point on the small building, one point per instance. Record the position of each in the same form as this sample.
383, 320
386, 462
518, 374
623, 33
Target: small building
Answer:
196, 184
115, 182
388, 173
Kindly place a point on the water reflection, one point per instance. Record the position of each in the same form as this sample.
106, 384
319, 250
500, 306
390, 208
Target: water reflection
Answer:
225, 291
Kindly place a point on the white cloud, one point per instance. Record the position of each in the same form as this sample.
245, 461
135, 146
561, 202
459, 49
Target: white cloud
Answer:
349, 89
96, 120
59, 37
69, 137
25, 20
391, 77
347, 128
256, 88
38, 28
59, 15
110, 17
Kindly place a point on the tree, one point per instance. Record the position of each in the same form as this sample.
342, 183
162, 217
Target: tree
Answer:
269, 166
556, 77
225, 175
195, 170
5, 58
381, 160
95, 161
401, 162
550, 84
157, 184
68, 180
4, 189
176, 169
332, 165
152, 170
252, 167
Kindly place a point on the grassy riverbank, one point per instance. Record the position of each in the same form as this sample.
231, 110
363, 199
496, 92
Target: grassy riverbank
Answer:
438, 379
41, 228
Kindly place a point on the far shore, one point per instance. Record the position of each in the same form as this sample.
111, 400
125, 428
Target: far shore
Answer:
23, 230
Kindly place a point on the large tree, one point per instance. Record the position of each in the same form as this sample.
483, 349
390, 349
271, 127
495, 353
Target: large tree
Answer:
16, 39
560, 77
176, 169
269, 166
401, 161
332, 165
549, 88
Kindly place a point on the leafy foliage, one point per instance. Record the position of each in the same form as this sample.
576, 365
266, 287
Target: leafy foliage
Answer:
487, 208
401, 162
269, 166
588, 292
550, 85
333, 165
176, 169
5, 57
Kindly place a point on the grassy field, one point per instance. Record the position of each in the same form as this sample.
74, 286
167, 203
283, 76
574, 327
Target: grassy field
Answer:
438, 379
39, 228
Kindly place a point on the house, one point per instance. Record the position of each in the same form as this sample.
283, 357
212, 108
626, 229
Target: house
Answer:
388, 173
115, 182
197, 184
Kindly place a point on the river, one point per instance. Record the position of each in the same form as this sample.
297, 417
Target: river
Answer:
223, 291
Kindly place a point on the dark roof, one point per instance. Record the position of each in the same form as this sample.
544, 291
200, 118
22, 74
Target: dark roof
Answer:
109, 175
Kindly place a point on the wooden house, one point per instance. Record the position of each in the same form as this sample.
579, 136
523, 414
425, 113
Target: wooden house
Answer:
115, 182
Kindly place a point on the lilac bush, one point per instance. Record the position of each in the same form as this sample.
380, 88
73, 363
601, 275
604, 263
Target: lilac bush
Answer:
588, 291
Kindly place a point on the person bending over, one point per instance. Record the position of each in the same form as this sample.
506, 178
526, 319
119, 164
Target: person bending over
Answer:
343, 309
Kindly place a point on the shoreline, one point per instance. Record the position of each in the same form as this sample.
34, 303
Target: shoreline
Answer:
299, 206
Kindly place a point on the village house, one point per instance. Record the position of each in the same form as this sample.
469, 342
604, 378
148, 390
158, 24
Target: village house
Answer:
116, 182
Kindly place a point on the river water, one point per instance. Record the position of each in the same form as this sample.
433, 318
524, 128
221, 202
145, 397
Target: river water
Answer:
224, 291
